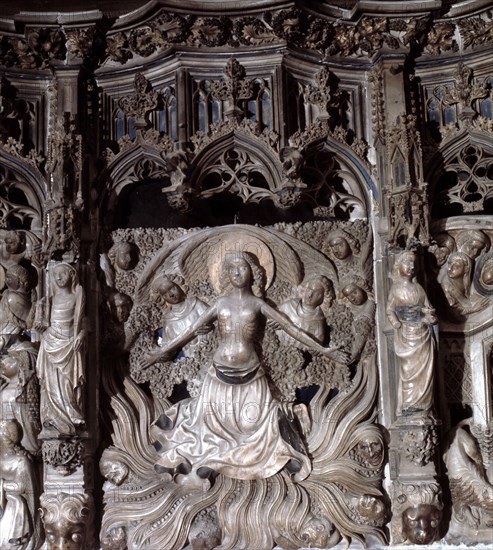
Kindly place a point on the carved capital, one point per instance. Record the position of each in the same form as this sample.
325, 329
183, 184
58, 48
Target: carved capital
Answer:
65, 456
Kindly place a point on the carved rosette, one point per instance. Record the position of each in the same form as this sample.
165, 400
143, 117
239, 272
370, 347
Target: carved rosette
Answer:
65, 455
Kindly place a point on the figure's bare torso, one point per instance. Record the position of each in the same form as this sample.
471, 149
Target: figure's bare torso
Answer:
237, 325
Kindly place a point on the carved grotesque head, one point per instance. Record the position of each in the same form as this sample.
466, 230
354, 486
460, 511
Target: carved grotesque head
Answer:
315, 533
204, 532
370, 449
371, 509
114, 539
420, 523
124, 255
120, 306
65, 518
113, 470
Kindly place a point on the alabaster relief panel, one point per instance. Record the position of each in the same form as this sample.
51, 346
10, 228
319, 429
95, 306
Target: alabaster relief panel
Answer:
463, 268
272, 442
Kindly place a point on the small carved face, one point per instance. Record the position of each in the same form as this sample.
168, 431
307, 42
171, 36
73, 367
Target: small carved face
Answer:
441, 254
120, 308
456, 268
239, 272
406, 267
340, 248
126, 257
420, 524
115, 539
315, 534
205, 541
355, 294
114, 472
487, 273
473, 247
12, 281
13, 243
171, 292
9, 366
62, 276
370, 448
65, 535
371, 508
313, 294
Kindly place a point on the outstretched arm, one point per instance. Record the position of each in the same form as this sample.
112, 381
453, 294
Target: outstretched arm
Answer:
300, 335
190, 333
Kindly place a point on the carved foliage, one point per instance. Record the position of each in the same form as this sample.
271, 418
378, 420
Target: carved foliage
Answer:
35, 50
65, 456
420, 444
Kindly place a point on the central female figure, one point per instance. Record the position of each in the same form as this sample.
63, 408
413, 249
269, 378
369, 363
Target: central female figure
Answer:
234, 427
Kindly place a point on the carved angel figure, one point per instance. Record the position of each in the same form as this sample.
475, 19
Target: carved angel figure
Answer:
234, 427
358, 293
60, 364
305, 311
181, 310
17, 493
412, 317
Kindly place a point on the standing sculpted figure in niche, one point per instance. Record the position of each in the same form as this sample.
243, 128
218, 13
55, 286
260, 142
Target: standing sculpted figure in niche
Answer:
412, 317
60, 360
233, 426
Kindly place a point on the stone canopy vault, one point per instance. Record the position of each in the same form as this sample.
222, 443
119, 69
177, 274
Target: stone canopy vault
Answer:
246, 275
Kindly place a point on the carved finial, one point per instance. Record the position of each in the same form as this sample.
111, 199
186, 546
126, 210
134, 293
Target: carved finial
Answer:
142, 102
